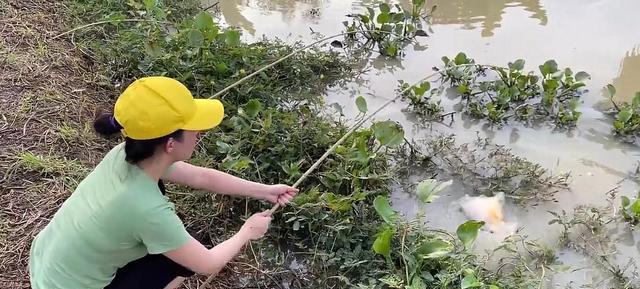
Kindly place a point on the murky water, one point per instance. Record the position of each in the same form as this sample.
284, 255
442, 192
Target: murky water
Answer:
597, 36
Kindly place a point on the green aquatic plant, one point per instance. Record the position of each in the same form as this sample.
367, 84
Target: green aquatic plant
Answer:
389, 28
510, 92
420, 99
630, 210
627, 115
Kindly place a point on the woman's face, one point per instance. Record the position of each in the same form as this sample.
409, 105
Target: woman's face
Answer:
183, 149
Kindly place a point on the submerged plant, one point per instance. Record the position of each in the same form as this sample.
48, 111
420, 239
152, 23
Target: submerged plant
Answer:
587, 230
485, 167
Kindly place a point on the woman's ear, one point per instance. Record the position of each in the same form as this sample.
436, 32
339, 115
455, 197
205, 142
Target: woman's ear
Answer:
170, 145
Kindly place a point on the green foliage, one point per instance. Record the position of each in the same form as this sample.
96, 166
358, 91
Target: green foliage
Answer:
468, 232
630, 210
388, 133
418, 258
389, 28
428, 190
627, 116
552, 95
381, 204
361, 103
420, 100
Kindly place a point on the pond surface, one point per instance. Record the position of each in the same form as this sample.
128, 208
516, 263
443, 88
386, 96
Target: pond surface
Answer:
600, 37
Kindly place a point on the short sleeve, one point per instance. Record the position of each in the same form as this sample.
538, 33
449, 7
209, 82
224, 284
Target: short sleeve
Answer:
163, 231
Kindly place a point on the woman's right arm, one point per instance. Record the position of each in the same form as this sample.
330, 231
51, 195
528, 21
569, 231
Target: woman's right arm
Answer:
196, 257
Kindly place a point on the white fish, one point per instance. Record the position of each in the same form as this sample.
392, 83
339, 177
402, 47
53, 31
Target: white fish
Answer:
489, 210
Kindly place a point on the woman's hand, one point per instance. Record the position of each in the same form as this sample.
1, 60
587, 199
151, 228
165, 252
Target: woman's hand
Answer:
256, 226
278, 194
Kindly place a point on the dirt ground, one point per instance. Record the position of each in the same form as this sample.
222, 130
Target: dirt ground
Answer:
49, 96
48, 99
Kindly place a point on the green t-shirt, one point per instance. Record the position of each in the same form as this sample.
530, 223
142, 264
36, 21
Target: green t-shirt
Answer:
117, 214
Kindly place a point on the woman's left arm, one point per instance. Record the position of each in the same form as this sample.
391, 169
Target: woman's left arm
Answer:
219, 182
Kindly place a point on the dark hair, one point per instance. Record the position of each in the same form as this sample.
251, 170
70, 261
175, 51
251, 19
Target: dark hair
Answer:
135, 150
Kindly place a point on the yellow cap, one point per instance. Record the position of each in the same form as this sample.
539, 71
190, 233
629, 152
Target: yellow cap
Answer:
156, 106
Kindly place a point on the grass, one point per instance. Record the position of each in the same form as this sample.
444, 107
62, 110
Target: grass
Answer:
39, 80
48, 164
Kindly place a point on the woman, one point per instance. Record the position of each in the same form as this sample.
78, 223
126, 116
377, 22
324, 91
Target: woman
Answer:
118, 230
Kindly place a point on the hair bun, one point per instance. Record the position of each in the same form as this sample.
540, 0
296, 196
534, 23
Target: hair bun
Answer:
106, 125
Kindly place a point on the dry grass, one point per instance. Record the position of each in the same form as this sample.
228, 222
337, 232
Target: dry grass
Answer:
47, 101
48, 98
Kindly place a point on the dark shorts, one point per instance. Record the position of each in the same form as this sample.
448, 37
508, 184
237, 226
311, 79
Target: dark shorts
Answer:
148, 272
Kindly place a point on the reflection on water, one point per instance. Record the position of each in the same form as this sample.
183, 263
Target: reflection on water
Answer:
486, 13
627, 83
232, 11
233, 15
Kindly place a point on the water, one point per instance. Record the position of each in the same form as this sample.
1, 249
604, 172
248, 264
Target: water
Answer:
597, 36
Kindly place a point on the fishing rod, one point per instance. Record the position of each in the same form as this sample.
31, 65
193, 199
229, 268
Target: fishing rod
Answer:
352, 129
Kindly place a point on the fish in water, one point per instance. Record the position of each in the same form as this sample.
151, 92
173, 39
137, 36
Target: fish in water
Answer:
489, 210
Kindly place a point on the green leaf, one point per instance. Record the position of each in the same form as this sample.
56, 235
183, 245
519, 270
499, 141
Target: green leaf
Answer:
468, 231
203, 21
517, 65
397, 17
392, 50
388, 133
435, 249
383, 18
427, 190
416, 283
196, 39
493, 287
580, 76
635, 103
253, 107
624, 115
470, 281
223, 147
365, 19
232, 37
421, 89
625, 201
462, 89
568, 72
361, 103
635, 208
381, 204
385, 8
382, 244
549, 67
461, 58
611, 90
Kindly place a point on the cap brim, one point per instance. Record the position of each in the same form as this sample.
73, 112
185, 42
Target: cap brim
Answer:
209, 114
